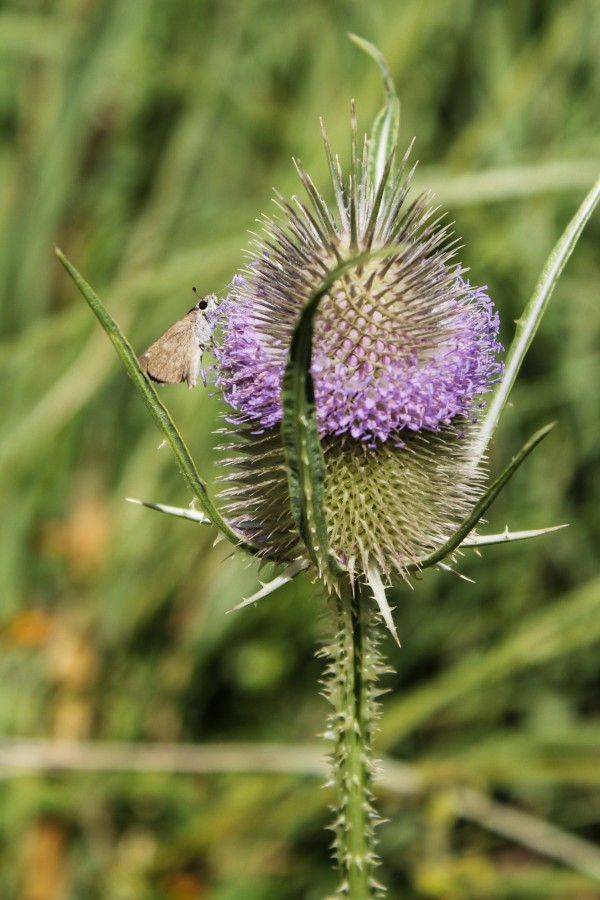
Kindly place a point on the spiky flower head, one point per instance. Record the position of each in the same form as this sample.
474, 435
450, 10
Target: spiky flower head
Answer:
404, 350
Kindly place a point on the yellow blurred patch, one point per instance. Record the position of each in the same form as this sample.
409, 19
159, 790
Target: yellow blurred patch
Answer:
29, 628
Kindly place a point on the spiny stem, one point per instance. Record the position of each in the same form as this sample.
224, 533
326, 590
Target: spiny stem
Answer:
350, 685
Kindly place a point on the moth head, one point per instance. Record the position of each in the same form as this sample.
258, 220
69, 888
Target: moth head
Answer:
206, 304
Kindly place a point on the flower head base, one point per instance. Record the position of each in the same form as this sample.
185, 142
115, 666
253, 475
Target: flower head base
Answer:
403, 350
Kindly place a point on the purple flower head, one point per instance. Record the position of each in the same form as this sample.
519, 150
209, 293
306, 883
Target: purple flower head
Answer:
377, 369
403, 343
404, 350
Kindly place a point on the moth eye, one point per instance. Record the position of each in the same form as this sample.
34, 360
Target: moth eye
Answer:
202, 304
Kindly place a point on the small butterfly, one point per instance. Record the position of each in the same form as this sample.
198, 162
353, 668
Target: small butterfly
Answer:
177, 354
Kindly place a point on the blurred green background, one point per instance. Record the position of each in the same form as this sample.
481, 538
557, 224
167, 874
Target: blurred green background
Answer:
144, 139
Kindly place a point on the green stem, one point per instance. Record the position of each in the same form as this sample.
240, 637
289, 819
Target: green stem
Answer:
350, 686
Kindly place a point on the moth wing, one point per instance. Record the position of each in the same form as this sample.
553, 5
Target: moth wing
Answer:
202, 329
174, 357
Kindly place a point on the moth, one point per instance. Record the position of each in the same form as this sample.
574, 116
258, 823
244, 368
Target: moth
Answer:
177, 354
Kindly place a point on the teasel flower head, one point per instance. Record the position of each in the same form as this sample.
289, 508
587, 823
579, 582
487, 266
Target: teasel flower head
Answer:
404, 349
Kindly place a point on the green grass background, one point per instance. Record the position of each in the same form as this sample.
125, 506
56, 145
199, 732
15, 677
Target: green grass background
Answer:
144, 139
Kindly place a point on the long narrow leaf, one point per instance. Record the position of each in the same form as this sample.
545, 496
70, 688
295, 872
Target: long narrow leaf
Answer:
490, 495
386, 127
531, 318
299, 430
157, 409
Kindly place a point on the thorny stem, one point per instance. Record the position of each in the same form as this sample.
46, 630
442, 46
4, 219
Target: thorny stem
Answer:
350, 685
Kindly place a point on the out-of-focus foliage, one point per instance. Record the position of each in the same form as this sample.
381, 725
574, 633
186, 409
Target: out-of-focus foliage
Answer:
143, 139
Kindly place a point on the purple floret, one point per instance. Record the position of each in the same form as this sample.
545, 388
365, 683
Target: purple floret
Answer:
371, 381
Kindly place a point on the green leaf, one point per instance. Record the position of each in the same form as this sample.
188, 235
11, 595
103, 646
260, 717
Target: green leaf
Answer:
384, 136
157, 409
529, 322
480, 508
299, 430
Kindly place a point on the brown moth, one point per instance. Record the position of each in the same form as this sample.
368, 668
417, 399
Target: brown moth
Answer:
177, 354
